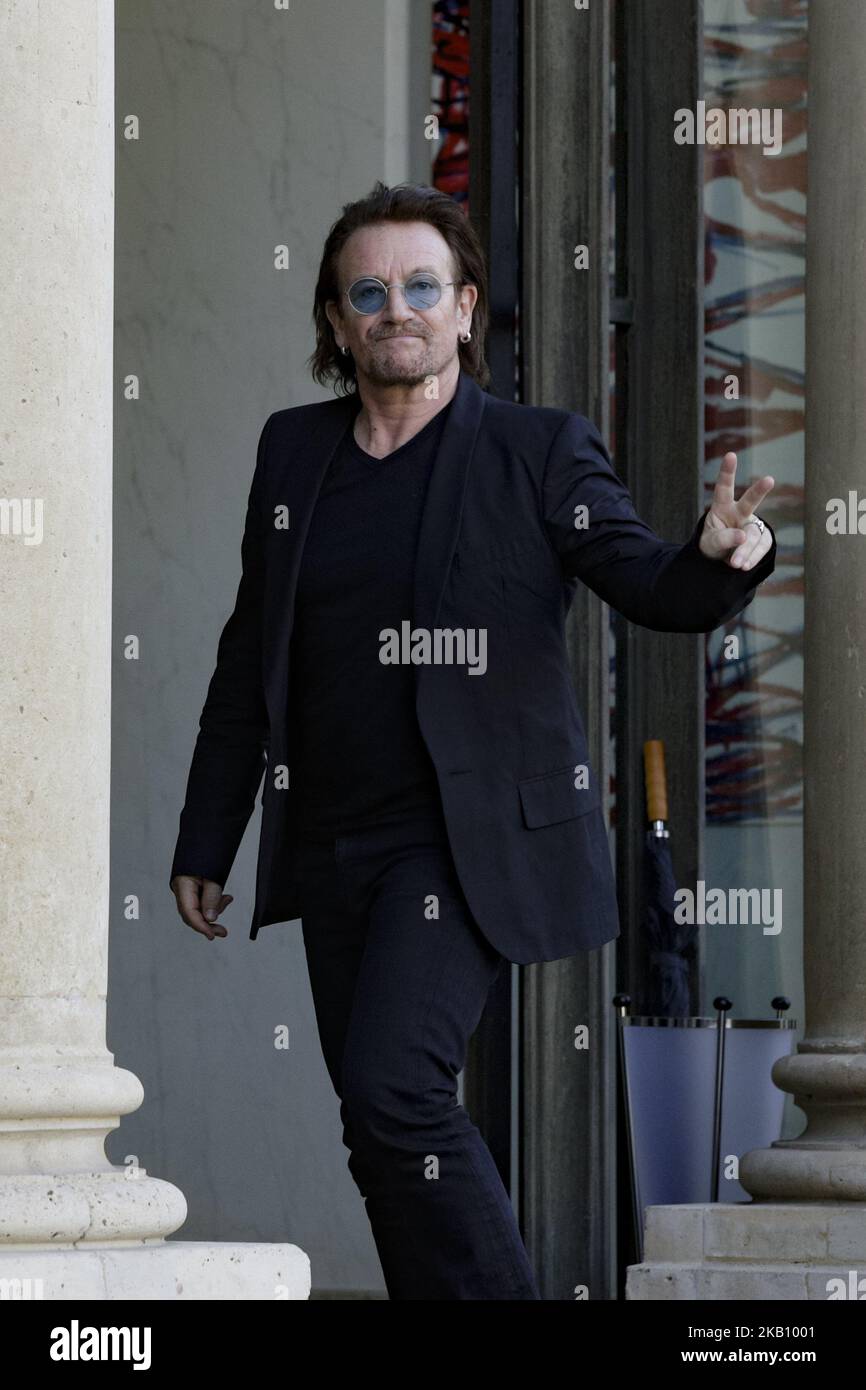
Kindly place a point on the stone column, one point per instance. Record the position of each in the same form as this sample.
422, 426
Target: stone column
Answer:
827, 1077
807, 1223
69, 1219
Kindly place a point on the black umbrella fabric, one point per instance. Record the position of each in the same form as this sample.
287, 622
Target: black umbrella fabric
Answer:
669, 940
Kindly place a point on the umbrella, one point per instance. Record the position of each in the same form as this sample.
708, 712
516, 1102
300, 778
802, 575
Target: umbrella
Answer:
669, 940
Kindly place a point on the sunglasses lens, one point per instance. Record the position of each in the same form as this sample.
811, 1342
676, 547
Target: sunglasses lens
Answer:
367, 296
422, 291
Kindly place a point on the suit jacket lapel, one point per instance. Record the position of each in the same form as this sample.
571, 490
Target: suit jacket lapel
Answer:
296, 484
443, 504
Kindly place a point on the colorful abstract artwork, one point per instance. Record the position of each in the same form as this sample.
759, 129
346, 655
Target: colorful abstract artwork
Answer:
755, 226
451, 98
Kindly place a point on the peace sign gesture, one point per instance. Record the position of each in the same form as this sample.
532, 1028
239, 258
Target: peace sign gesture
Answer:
726, 534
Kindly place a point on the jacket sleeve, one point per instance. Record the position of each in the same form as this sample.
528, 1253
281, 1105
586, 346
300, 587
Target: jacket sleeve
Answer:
658, 584
230, 752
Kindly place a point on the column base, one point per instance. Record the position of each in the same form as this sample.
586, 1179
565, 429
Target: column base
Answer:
757, 1251
176, 1269
106, 1206
805, 1171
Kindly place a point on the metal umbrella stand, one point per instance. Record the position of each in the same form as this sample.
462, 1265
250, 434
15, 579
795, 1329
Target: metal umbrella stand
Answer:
698, 1094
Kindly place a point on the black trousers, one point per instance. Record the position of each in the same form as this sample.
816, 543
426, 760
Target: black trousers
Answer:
400, 972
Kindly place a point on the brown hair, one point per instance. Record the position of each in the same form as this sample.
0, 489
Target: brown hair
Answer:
404, 202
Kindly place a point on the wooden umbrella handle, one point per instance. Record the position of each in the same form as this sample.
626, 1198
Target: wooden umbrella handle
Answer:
655, 780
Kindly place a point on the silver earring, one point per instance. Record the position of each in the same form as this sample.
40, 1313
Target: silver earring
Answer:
344, 351
465, 337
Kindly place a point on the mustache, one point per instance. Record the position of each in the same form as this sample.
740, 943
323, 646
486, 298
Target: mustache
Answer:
383, 337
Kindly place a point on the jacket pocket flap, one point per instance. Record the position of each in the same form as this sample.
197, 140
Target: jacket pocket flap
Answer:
553, 797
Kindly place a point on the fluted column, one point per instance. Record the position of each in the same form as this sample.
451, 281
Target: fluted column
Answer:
827, 1076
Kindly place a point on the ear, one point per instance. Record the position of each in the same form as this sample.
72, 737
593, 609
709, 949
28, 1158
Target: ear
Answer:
467, 298
334, 318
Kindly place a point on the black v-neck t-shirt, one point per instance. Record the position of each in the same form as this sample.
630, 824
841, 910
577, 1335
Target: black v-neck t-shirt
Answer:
357, 756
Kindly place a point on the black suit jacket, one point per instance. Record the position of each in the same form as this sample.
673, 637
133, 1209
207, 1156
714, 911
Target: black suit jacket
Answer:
499, 548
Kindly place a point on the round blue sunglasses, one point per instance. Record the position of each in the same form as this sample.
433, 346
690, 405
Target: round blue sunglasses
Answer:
421, 291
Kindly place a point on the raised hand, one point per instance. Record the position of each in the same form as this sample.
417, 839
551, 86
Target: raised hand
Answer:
725, 535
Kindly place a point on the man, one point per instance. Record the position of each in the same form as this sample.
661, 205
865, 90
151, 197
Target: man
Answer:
396, 666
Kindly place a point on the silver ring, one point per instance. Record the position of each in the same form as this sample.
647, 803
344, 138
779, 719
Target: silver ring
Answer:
755, 521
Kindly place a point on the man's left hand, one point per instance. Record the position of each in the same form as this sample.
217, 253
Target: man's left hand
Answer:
725, 536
